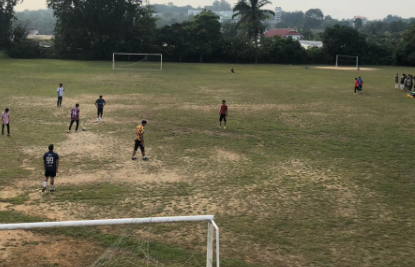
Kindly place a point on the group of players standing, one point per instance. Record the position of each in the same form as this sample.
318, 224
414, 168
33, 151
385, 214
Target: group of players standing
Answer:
406, 82
51, 158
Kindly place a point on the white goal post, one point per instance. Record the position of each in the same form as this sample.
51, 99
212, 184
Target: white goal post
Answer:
212, 228
136, 61
350, 60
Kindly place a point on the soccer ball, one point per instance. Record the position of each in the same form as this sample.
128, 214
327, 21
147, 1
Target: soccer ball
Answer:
83, 129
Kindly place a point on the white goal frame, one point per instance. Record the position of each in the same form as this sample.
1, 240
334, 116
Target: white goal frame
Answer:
356, 57
136, 54
212, 227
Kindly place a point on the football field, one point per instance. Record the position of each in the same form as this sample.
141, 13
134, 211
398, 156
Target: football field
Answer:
306, 173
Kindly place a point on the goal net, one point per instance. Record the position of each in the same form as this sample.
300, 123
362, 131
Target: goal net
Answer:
151, 242
137, 61
347, 61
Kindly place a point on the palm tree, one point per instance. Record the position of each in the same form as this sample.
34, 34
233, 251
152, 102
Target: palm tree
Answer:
251, 18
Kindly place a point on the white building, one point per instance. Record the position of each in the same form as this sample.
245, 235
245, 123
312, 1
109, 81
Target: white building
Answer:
309, 44
33, 31
278, 14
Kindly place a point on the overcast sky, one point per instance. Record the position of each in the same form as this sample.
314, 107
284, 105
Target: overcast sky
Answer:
372, 9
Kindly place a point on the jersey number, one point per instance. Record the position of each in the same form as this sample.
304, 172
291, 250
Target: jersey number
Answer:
74, 113
49, 160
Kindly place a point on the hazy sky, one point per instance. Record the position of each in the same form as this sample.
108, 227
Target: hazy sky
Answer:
372, 9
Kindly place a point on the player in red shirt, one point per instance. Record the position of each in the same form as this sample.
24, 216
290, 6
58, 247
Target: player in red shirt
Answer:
74, 118
356, 85
223, 114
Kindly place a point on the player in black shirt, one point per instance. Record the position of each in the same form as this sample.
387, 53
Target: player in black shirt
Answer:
100, 103
51, 164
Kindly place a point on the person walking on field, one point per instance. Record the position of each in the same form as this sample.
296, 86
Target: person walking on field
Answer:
356, 85
360, 84
60, 91
5, 121
74, 118
51, 165
397, 81
139, 140
100, 103
223, 114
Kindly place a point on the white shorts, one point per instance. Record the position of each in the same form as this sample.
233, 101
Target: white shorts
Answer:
396, 85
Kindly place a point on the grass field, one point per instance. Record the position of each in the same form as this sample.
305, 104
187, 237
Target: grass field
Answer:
306, 174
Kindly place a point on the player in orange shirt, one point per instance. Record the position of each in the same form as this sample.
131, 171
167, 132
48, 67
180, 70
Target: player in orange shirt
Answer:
139, 140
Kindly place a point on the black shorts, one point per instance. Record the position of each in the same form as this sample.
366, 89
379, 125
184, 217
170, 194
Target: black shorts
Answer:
222, 117
100, 111
50, 173
138, 144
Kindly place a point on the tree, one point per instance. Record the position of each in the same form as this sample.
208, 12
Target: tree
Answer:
293, 19
6, 20
251, 18
405, 52
21, 47
282, 51
358, 23
206, 33
343, 40
94, 29
221, 5
176, 39
314, 18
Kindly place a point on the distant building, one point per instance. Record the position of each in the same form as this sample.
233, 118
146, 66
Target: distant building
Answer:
284, 33
278, 14
310, 44
364, 20
224, 15
32, 31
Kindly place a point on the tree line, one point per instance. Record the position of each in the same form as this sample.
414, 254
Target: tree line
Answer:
94, 29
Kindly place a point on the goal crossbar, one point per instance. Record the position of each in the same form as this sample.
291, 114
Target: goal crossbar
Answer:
347, 56
212, 227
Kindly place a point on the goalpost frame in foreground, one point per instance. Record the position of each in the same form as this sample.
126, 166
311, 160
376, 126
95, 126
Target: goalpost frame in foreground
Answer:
137, 54
356, 57
212, 227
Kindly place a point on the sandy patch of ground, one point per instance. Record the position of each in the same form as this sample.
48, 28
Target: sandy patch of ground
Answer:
345, 68
8, 193
26, 249
226, 155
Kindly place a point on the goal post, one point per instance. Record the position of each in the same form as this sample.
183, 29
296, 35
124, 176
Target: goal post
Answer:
137, 61
212, 228
346, 60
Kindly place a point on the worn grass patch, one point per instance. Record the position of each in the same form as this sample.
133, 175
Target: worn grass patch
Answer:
306, 173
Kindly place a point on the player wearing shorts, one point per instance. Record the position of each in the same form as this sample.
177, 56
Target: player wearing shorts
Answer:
139, 140
397, 81
360, 83
60, 94
74, 118
223, 114
100, 103
356, 85
5, 121
51, 164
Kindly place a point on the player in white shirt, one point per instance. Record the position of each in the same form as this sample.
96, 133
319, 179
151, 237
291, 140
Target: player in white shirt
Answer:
60, 94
